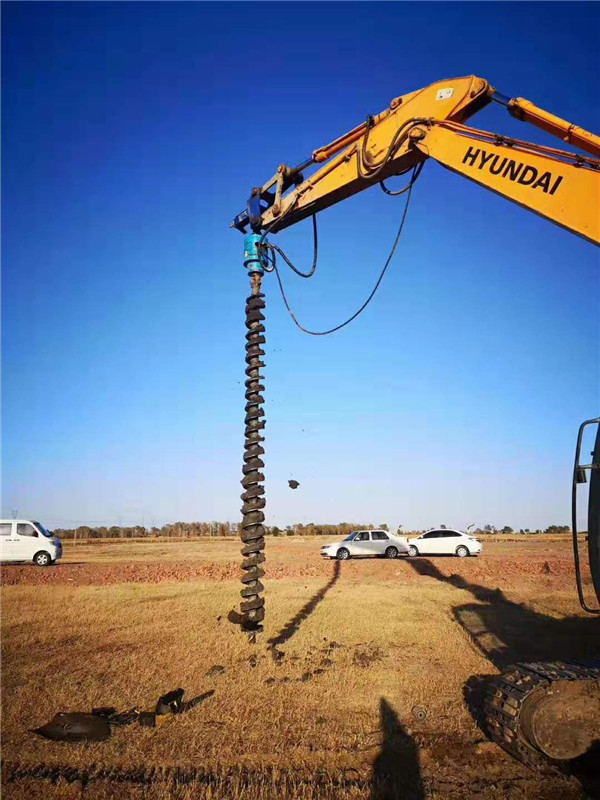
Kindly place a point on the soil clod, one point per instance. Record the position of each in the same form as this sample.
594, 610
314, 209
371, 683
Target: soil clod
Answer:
216, 669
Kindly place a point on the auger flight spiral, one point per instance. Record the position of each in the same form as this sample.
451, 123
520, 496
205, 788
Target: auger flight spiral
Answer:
252, 605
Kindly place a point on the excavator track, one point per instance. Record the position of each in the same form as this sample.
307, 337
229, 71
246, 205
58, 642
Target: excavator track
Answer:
515, 696
252, 528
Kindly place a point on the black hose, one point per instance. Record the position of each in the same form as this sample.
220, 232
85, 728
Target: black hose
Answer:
379, 279
275, 249
415, 175
399, 138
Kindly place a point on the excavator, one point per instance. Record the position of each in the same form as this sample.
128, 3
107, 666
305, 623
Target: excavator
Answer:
541, 710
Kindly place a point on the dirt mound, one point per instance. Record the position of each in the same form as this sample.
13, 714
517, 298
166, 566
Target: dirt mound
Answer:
404, 570
106, 574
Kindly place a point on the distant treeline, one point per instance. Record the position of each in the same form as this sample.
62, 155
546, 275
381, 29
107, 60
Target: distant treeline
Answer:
491, 529
183, 530
178, 530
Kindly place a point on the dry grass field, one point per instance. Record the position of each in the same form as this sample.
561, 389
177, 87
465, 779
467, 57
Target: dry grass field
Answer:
320, 707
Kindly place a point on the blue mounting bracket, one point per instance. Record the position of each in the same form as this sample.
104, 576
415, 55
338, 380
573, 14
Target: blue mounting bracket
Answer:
251, 216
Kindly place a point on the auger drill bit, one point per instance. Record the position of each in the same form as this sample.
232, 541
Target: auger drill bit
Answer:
253, 532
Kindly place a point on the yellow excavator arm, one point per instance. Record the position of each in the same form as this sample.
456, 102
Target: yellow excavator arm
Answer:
561, 186
554, 184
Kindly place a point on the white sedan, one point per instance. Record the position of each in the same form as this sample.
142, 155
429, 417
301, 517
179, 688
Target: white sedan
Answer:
444, 543
366, 543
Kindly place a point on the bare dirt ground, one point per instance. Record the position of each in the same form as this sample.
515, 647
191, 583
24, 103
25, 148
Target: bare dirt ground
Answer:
321, 706
100, 564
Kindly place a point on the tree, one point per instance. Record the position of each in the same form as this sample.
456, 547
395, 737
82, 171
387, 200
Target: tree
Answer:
507, 529
275, 530
383, 526
557, 529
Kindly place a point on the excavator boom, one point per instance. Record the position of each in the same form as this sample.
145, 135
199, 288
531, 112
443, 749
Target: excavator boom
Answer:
561, 186
557, 185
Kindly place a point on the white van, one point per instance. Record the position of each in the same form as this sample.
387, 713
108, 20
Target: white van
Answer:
25, 540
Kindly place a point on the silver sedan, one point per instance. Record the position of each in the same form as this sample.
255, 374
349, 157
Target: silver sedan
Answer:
366, 543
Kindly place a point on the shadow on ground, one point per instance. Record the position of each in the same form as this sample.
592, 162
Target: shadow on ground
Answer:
396, 770
506, 632
291, 627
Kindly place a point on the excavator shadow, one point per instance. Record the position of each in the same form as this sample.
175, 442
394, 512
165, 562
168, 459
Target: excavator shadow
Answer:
396, 770
291, 627
506, 632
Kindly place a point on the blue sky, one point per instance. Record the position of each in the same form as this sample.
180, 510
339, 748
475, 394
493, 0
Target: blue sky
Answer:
133, 133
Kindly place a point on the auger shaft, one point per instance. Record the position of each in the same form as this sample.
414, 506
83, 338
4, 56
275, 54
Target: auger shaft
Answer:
252, 529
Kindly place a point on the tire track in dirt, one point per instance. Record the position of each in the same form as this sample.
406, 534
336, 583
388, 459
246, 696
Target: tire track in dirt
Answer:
283, 781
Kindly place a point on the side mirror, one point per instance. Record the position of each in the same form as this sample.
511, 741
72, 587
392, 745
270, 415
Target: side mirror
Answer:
581, 477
